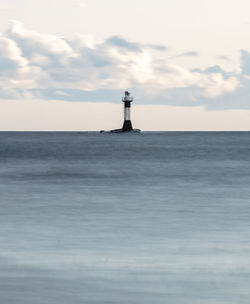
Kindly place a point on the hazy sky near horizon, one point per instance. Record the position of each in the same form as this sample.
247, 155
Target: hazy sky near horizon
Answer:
181, 55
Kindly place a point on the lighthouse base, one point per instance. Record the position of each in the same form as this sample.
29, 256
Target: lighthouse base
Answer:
121, 131
127, 126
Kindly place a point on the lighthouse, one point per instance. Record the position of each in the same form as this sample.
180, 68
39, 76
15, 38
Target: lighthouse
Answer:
127, 124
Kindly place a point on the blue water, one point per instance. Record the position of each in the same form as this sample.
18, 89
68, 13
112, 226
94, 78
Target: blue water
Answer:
125, 218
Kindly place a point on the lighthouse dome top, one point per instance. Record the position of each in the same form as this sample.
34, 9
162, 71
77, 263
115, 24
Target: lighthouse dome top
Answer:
127, 97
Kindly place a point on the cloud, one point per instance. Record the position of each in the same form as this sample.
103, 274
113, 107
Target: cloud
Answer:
245, 60
224, 58
187, 54
10, 55
31, 42
82, 69
123, 43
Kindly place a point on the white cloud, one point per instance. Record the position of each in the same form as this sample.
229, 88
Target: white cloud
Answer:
36, 61
9, 50
31, 42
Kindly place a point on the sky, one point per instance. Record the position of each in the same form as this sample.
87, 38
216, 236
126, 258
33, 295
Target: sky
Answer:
64, 64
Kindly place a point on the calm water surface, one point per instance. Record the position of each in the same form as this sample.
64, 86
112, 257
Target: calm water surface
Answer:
125, 218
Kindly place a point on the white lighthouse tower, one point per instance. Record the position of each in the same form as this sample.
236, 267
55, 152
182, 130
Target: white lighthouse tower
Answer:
127, 124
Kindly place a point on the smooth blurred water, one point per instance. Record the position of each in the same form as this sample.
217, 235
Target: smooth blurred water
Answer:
125, 218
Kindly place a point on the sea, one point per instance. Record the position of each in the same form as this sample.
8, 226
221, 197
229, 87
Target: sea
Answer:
150, 218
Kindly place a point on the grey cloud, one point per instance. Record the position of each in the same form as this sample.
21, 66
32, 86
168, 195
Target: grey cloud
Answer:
225, 58
214, 70
123, 43
245, 62
6, 65
157, 47
187, 54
